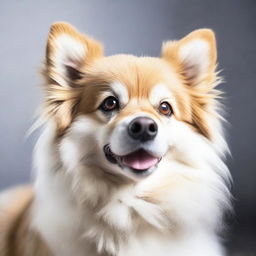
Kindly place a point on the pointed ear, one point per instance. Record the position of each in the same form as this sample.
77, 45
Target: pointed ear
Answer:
194, 55
194, 58
67, 53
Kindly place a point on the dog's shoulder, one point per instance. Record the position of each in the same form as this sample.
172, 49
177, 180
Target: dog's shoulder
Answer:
15, 199
13, 204
17, 238
15, 223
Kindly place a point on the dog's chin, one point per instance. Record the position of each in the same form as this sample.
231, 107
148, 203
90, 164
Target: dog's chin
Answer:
137, 164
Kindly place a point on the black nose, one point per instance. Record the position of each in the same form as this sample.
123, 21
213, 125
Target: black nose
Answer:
142, 129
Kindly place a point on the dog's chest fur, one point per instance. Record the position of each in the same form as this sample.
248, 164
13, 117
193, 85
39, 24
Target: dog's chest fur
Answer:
173, 212
126, 225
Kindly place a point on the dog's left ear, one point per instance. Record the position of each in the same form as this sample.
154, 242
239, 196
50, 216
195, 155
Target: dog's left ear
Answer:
194, 55
194, 58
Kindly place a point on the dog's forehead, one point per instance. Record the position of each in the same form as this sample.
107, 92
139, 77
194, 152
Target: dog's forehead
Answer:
141, 81
133, 77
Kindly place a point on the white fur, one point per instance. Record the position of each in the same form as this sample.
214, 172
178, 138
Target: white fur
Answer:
121, 91
160, 93
79, 210
70, 52
195, 56
122, 144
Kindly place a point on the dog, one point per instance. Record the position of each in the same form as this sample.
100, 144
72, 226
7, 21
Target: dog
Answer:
130, 161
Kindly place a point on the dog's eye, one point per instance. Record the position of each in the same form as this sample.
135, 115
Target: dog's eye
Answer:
165, 109
109, 104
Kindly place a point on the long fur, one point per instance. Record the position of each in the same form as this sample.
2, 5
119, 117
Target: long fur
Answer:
83, 205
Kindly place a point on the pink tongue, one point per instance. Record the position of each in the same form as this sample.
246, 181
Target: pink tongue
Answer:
140, 160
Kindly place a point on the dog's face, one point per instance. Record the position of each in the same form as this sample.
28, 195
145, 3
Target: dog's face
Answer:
126, 114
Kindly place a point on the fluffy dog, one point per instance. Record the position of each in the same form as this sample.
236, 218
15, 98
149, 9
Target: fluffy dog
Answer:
130, 159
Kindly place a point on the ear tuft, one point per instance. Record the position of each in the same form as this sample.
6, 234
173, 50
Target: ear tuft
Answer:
68, 52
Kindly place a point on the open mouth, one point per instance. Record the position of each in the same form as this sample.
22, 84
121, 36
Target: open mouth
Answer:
139, 162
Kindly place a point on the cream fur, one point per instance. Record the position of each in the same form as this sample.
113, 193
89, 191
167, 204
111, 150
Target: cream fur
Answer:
82, 211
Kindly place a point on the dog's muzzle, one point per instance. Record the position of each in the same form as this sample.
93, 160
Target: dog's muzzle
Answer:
140, 162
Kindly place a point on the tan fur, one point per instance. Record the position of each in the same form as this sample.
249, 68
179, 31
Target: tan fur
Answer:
93, 49
195, 102
202, 95
16, 236
56, 94
139, 75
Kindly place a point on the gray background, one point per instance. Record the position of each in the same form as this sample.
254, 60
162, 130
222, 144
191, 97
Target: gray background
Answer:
136, 27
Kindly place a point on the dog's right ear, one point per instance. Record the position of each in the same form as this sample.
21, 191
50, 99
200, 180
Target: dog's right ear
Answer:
67, 53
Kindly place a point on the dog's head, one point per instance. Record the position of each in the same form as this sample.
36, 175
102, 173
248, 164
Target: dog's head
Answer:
127, 114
